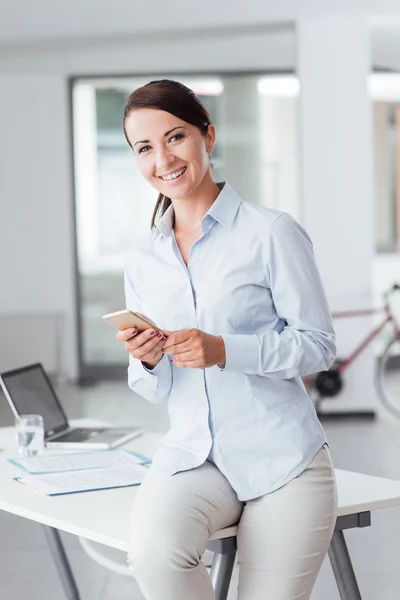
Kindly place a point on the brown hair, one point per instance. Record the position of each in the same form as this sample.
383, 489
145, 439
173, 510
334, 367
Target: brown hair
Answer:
177, 99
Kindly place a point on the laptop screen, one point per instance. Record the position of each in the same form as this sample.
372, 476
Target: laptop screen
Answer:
31, 392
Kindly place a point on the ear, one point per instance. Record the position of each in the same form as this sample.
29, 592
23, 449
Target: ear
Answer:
210, 138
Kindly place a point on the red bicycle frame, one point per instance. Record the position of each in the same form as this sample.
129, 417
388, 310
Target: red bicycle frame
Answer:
390, 318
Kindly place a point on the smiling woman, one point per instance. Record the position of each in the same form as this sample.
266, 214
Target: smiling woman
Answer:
172, 137
236, 287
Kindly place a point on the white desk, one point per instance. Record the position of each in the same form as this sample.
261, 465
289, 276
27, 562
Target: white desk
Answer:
103, 516
79, 514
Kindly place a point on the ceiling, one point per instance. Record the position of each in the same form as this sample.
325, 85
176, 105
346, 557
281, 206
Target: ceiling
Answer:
29, 26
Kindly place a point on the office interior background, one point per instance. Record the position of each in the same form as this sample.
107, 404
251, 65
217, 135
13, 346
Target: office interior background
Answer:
306, 100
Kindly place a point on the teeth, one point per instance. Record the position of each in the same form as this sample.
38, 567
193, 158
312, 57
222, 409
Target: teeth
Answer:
174, 175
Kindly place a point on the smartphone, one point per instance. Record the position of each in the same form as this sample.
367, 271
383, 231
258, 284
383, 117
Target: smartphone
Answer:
126, 319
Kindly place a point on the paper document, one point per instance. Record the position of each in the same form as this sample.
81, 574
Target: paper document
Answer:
53, 484
81, 460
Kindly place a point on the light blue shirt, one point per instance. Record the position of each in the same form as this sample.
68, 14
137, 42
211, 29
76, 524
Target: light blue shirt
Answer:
252, 279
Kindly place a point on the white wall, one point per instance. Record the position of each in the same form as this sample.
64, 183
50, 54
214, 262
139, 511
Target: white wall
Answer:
49, 20
246, 48
337, 180
134, 53
36, 236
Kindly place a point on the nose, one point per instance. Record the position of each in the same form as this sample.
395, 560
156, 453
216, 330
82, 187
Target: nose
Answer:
164, 159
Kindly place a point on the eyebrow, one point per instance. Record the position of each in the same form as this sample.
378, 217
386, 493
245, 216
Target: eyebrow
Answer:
165, 135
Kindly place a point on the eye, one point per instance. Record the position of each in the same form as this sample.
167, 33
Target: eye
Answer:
143, 149
176, 137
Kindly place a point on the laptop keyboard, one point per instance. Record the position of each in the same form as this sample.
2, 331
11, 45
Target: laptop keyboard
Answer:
78, 435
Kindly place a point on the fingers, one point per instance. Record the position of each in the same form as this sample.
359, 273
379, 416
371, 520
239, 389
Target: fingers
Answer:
183, 344
186, 356
125, 334
145, 343
175, 348
150, 349
178, 338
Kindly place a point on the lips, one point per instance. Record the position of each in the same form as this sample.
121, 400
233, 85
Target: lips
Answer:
173, 176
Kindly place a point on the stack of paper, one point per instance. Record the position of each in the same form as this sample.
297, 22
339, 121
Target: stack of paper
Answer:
82, 472
79, 460
71, 482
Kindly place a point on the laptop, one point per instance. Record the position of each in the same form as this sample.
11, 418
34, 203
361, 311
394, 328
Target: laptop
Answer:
29, 391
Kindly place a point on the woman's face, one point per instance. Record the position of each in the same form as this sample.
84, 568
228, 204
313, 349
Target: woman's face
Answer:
171, 154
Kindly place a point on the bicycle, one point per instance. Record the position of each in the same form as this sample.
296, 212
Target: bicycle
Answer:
328, 384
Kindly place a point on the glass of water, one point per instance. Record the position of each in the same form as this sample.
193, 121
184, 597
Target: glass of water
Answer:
30, 434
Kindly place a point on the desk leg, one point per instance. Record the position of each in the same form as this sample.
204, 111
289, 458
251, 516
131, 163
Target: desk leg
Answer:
342, 568
221, 573
61, 562
222, 565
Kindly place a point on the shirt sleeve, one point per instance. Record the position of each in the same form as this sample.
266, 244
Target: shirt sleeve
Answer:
155, 384
306, 344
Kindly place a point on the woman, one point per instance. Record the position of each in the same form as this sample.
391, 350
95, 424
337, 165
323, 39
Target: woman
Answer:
236, 287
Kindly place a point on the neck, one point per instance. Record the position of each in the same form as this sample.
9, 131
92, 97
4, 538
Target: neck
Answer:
190, 211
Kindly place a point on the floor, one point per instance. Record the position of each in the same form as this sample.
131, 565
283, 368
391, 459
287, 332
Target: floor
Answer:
371, 447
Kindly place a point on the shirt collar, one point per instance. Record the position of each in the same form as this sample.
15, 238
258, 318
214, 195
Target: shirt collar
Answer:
223, 210
165, 224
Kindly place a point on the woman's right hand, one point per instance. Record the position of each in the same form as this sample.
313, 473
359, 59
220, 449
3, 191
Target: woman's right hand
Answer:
145, 346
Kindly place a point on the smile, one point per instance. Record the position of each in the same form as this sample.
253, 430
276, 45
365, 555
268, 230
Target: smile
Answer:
173, 176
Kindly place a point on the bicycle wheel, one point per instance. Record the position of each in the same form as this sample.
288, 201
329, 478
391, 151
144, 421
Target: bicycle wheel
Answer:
387, 378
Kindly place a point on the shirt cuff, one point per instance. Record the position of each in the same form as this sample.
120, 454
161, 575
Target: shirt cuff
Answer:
159, 368
153, 385
242, 353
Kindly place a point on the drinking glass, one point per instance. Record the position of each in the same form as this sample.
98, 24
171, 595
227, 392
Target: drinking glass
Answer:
30, 434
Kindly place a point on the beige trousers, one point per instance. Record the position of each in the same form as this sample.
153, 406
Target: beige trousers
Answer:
282, 536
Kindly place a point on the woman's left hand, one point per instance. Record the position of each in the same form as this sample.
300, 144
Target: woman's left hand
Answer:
195, 349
